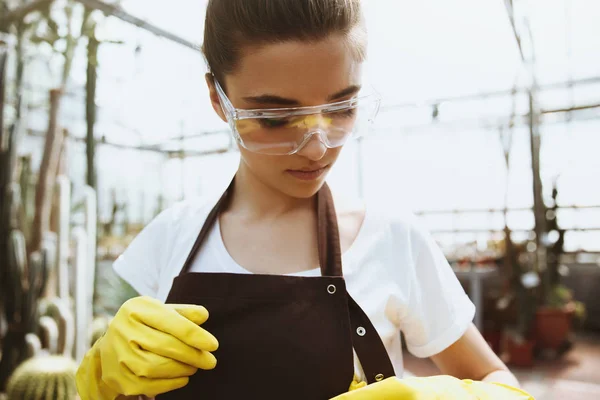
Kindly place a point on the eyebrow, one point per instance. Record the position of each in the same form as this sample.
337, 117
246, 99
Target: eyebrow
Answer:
350, 90
270, 99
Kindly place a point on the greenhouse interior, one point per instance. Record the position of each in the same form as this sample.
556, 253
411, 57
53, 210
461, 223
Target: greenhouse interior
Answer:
487, 135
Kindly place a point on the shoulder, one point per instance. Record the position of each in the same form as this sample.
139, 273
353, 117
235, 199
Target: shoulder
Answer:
399, 225
155, 252
393, 233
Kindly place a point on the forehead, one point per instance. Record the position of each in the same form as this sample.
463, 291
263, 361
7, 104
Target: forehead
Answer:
309, 72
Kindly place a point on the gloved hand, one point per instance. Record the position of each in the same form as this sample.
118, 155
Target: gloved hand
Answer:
432, 388
149, 348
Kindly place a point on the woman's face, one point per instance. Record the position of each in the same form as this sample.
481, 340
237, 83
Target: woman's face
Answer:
292, 74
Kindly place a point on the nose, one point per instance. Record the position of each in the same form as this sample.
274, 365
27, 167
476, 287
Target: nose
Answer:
314, 149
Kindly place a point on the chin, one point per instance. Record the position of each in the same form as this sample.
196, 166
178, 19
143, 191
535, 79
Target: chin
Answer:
302, 189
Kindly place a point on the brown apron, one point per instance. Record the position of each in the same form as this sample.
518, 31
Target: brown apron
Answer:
281, 337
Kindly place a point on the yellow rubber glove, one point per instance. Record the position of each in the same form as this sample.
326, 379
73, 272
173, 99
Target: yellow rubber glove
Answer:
433, 388
149, 348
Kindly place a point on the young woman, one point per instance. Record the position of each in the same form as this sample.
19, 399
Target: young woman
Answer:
305, 302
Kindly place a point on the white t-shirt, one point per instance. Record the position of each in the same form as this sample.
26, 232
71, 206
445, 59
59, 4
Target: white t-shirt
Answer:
394, 270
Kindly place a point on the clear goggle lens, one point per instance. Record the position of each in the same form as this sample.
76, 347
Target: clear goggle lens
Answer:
288, 134
286, 131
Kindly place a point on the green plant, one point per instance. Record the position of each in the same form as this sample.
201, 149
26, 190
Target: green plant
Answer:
99, 327
555, 294
111, 292
44, 377
559, 297
562, 297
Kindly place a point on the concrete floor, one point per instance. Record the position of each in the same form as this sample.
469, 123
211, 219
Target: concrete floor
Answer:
575, 376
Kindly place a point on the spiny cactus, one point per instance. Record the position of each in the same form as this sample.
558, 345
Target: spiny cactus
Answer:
44, 377
83, 310
49, 248
14, 346
62, 249
33, 345
49, 334
60, 311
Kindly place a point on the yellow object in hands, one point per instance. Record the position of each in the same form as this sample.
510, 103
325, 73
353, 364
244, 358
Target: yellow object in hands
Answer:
432, 388
149, 348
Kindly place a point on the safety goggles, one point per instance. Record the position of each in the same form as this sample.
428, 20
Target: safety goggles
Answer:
285, 131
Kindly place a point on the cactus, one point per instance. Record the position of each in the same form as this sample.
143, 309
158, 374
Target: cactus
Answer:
33, 346
49, 334
83, 311
49, 248
62, 249
24, 285
44, 377
91, 226
60, 311
17, 267
27, 186
37, 275
48, 167
13, 344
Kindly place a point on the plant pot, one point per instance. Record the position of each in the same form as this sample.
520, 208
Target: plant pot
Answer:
519, 352
552, 326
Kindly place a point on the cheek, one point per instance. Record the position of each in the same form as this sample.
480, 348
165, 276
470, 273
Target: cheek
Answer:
261, 163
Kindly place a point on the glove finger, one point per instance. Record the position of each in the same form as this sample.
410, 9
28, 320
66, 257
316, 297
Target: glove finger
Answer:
155, 366
196, 314
167, 320
130, 384
169, 347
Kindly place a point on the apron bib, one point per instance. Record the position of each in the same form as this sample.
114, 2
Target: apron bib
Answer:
280, 337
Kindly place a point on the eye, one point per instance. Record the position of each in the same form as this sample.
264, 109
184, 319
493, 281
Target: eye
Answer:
348, 113
273, 122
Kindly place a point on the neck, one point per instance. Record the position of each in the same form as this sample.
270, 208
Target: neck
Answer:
255, 199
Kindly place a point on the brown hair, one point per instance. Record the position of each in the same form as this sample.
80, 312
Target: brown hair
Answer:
230, 24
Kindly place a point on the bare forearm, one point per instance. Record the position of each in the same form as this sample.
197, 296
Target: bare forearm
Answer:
502, 376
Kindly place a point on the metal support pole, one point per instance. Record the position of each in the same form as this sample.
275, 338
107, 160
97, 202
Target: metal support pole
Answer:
539, 208
117, 12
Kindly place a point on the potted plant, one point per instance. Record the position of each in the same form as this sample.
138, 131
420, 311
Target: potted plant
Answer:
523, 281
554, 320
558, 309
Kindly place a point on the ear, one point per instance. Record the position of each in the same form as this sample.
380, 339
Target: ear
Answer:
214, 97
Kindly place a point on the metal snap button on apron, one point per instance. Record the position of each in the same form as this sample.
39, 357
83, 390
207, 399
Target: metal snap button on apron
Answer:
361, 331
331, 289
379, 377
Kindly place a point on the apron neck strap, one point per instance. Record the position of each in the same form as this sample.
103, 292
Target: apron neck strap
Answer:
328, 237
330, 254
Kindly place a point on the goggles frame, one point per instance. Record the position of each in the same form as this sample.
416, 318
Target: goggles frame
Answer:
234, 114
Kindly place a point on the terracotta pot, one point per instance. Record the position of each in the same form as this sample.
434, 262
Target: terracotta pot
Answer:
519, 353
552, 326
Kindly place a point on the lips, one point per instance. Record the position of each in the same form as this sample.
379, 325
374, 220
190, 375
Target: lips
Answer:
307, 174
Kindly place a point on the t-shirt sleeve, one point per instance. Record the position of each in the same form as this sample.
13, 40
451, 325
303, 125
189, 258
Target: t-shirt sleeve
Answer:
438, 311
141, 262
